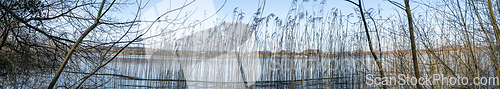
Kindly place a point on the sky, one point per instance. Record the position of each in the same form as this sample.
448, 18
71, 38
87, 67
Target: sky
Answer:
277, 7
201, 10
281, 7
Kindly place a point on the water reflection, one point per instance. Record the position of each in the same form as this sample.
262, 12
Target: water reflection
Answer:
178, 72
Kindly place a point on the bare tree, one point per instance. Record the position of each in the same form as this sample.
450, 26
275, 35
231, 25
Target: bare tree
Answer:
379, 64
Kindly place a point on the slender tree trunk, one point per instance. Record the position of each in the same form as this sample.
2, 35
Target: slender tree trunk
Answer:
379, 64
497, 34
494, 23
413, 45
73, 48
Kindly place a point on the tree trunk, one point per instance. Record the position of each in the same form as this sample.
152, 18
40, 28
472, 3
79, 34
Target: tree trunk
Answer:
412, 40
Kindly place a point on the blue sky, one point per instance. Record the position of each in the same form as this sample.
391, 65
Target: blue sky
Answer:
281, 7
201, 9
277, 7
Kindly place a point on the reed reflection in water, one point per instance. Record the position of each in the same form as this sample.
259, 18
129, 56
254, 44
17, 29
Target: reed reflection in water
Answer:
175, 72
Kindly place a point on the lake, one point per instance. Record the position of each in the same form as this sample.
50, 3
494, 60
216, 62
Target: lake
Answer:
216, 73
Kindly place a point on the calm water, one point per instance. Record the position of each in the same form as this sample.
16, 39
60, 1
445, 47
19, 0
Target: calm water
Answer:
216, 73
179, 72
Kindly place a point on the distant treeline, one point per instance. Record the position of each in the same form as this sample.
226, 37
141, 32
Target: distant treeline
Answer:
283, 53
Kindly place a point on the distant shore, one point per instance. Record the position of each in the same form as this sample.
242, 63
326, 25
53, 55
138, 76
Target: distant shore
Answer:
140, 51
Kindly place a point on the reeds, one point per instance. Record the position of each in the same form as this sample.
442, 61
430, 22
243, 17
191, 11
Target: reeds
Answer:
308, 48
